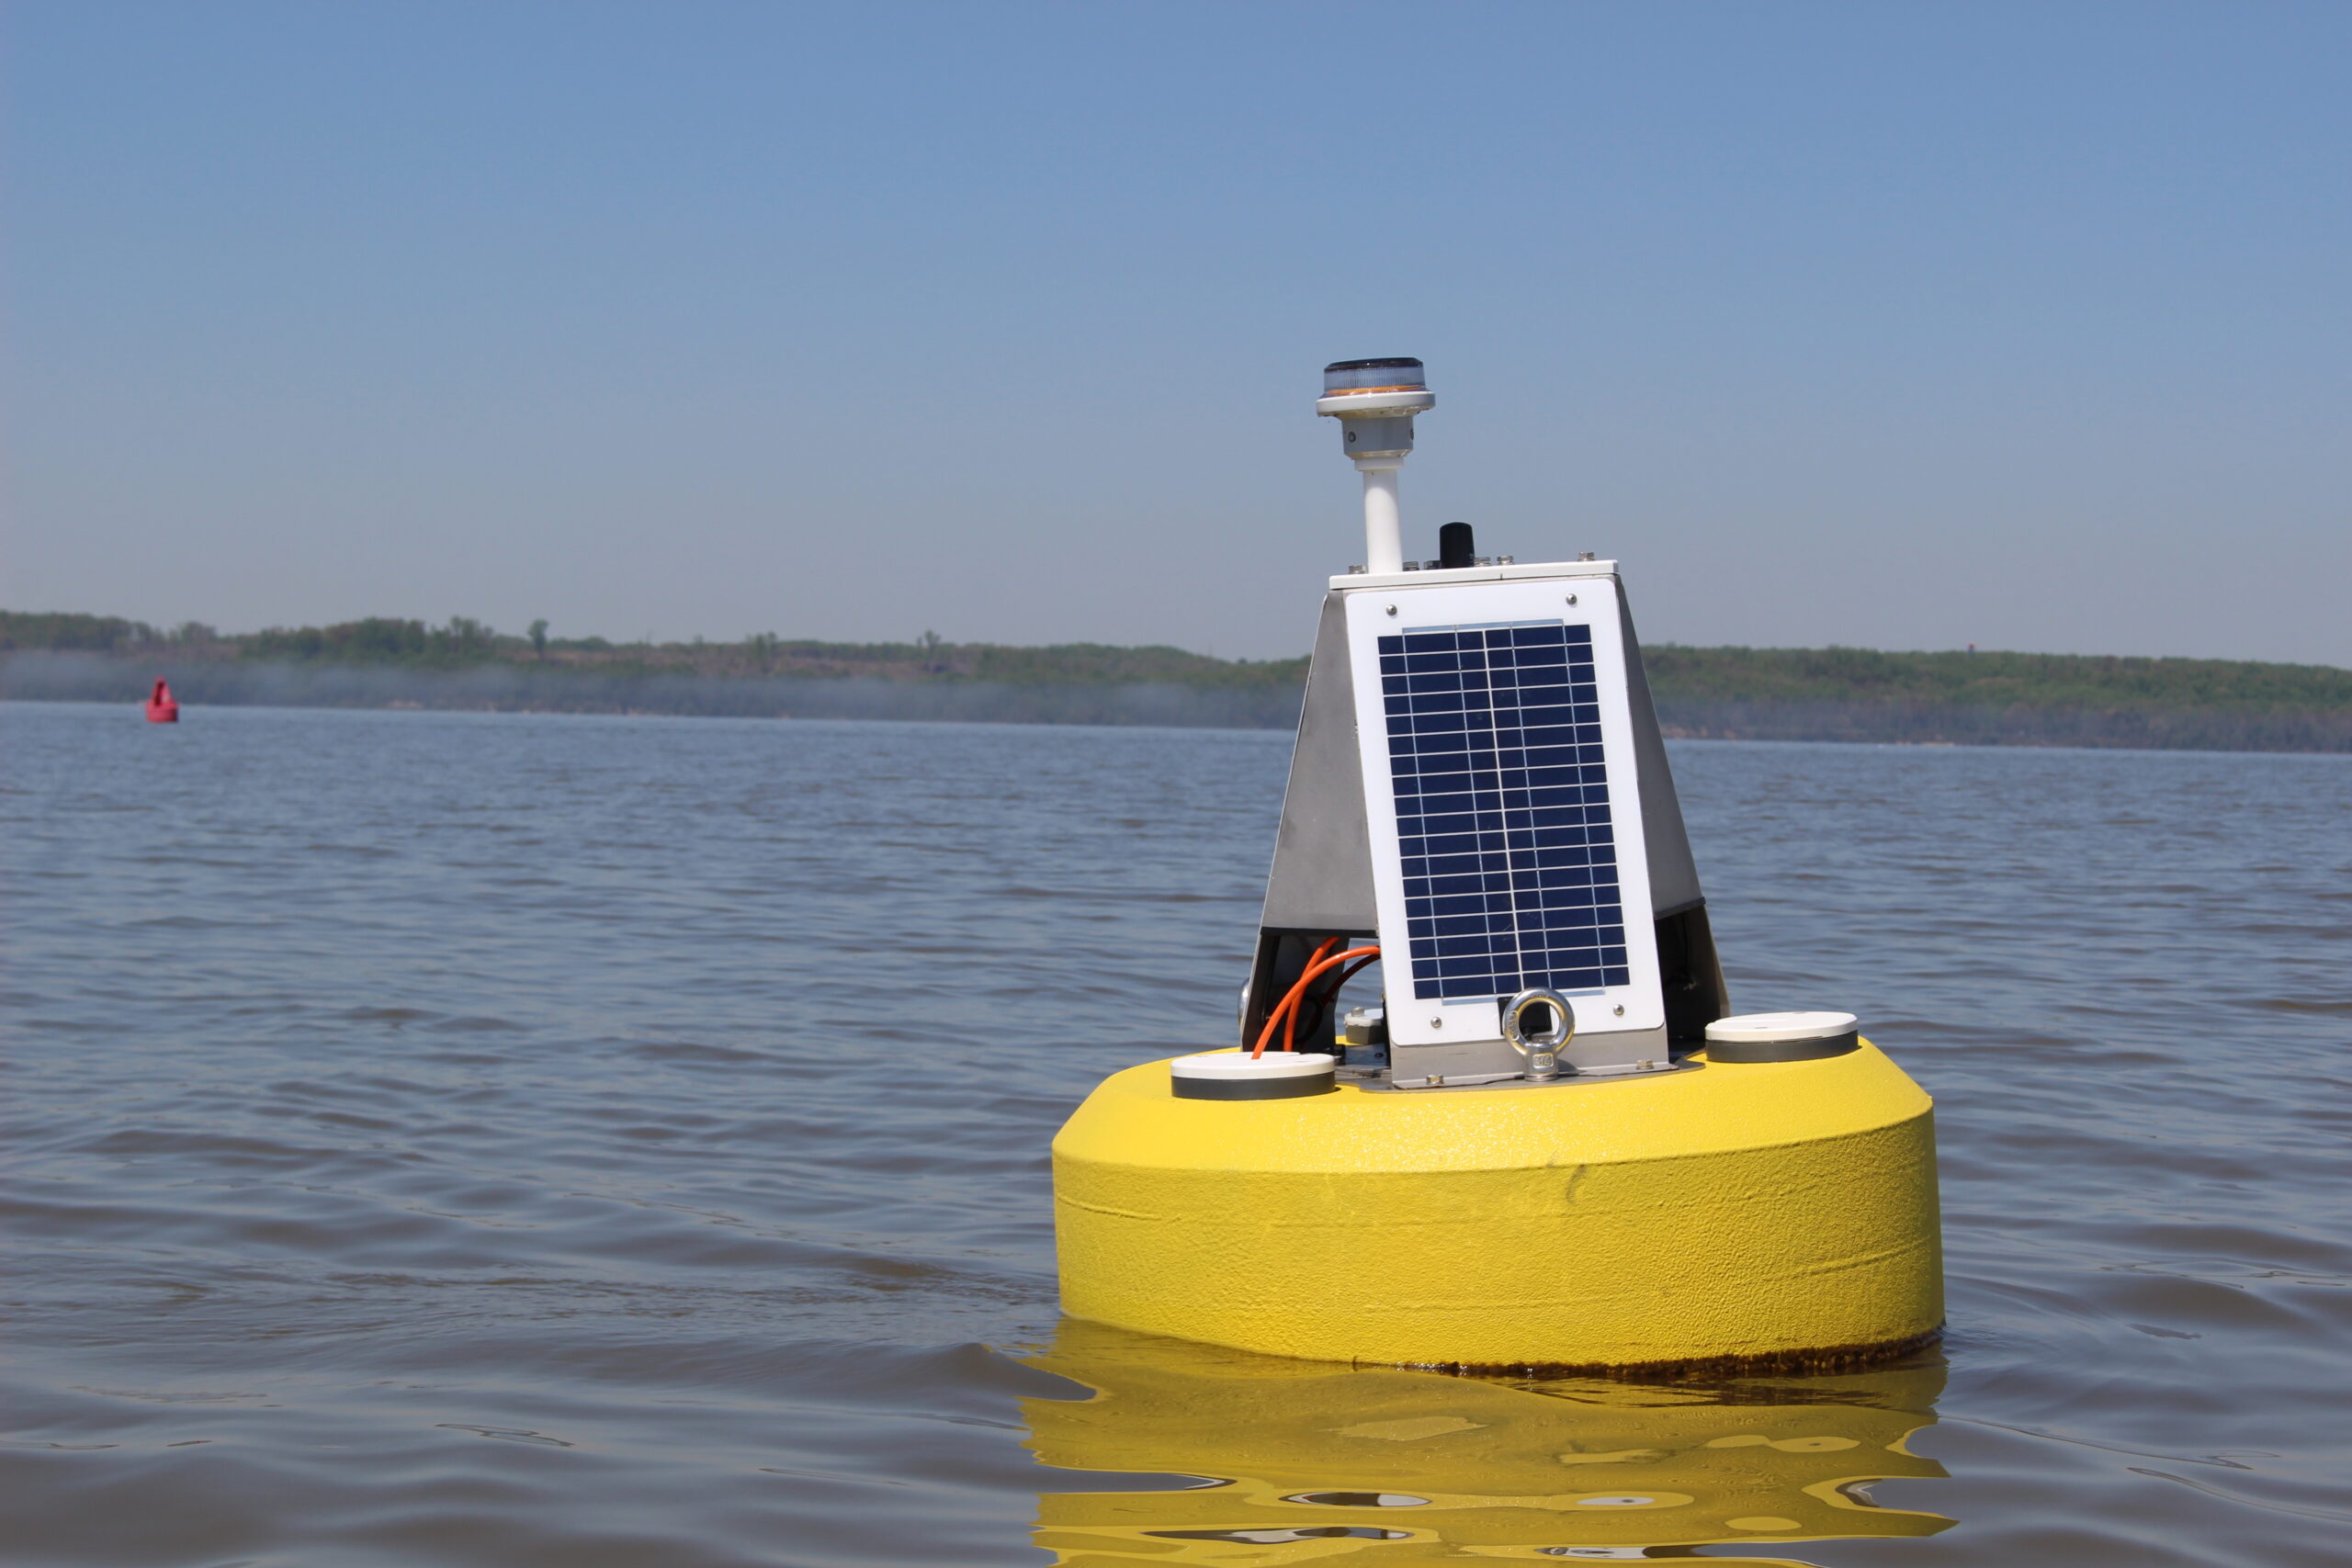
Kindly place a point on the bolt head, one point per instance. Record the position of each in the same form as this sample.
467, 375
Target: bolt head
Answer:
1392, 609
1619, 1010
1437, 1023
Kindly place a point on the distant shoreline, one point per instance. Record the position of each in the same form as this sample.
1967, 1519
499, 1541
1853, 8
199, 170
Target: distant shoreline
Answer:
1732, 693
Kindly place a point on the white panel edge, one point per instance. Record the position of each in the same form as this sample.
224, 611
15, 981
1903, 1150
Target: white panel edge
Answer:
1450, 598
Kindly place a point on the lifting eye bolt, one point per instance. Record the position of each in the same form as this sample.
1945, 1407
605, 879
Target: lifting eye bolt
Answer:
1541, 1047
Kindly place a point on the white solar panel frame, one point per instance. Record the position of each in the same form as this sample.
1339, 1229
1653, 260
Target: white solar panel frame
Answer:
1414, 1020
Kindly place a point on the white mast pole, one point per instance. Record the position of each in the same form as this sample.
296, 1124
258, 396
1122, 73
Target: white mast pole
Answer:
1383, 534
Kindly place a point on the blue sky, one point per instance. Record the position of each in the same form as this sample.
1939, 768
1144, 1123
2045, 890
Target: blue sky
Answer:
1903, 325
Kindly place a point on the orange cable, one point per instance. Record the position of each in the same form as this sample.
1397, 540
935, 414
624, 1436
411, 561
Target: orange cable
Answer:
1290, 1024
1290, 1005
1284, 1008
1290, 1029
1330, 997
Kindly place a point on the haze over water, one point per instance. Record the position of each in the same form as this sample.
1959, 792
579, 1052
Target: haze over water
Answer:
456, 1140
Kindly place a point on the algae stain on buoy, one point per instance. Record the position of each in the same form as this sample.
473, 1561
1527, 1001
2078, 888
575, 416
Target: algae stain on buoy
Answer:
1551, 1143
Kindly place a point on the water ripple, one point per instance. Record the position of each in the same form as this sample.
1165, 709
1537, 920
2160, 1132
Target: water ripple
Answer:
454, 1139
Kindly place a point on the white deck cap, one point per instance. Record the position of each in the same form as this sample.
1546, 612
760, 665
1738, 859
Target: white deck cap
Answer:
1237, 1066
1779, 1028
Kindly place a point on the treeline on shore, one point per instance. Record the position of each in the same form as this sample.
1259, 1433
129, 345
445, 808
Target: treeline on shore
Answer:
463, 644
1833, 693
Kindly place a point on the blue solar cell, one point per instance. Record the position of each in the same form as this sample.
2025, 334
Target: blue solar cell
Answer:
1502, 808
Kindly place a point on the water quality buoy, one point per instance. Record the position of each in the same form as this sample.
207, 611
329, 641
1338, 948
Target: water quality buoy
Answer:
162, 708
1551, 1144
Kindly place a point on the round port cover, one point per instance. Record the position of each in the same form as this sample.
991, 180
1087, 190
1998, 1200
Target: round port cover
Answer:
1233, 1075
1783, 1036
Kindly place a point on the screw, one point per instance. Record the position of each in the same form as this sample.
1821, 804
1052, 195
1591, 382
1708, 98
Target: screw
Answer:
1572, 598
1437, 1023
1392, 609
1619, 1010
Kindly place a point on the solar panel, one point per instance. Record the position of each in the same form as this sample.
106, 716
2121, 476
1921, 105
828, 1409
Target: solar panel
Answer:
1501, 788
1503, 805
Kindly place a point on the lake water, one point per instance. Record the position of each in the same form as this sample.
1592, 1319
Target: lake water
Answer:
503, 1140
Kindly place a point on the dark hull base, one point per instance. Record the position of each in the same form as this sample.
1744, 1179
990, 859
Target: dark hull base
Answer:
1778, 1363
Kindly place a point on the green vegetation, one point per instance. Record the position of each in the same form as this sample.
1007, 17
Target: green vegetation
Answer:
415, 645
1835, 693
1989, 680
1999, 699
378, 640
93, 634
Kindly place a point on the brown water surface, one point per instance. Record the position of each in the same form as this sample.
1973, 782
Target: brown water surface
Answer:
476, 1140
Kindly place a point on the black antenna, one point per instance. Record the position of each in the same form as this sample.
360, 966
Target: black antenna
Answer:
1455, 547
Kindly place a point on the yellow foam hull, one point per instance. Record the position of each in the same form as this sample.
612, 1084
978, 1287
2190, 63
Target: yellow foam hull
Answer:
1738, 1213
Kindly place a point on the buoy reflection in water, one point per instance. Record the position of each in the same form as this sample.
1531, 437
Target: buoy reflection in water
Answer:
1300, 1462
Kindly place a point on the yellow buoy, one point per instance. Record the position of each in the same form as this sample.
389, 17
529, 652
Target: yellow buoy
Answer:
1551, 1143
1735, 1212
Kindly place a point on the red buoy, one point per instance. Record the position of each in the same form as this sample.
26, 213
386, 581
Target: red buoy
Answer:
161, 708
